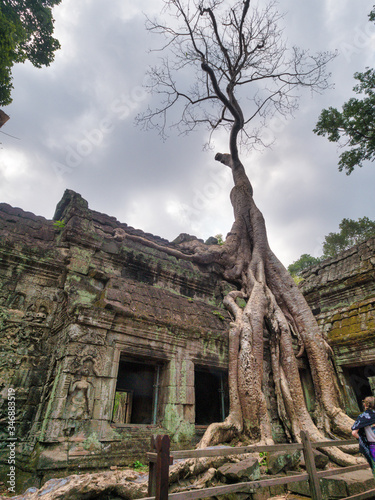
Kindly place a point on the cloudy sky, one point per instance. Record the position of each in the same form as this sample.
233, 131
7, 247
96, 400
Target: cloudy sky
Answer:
73, 125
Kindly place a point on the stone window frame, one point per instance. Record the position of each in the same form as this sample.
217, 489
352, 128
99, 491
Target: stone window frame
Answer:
140, 355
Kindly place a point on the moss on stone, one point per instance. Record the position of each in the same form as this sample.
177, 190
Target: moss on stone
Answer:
92, 443
50, 404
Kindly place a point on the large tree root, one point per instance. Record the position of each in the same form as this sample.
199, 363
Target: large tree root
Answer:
120, 484
272, 301
193, 467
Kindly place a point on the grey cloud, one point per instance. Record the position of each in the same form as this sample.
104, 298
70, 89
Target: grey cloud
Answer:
84, 105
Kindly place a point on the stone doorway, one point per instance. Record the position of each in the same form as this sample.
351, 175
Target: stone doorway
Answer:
361, 380
137, 393
211, 395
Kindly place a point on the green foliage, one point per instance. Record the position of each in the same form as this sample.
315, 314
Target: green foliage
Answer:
354, 125
59, 223
351, 233
297, 279
26, 28
263, 458
138, 465
219, 315
219, 238
7, 46
304, 262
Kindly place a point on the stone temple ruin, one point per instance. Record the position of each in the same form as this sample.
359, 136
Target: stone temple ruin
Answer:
107, 340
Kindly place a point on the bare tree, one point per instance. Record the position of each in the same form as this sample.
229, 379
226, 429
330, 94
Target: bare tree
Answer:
245, 72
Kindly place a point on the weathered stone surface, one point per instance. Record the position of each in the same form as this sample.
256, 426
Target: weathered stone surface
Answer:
341, 293
340, 486
281, 461
245, 470
321, 460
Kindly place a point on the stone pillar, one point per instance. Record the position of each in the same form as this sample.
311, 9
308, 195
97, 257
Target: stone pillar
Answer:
178, 402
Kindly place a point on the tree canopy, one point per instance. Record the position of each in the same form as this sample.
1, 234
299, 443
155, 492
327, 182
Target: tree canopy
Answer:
352, 232
227, 63
304, 262
26, 28
353, 127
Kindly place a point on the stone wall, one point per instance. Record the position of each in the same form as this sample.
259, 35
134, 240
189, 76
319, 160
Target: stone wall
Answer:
341, 293
76, 303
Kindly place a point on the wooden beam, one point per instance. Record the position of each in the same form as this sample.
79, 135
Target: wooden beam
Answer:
152, 457
342, 470
324, 444
238, 487
239, 450
362, 496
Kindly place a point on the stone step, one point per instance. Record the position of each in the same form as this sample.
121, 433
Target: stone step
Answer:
340, 486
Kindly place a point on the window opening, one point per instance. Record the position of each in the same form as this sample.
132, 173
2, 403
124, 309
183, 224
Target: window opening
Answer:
211, 396
137, 393
360, 379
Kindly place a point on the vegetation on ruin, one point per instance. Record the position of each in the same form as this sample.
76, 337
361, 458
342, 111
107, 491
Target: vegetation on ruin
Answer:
352, 232
245, 74
59, 224
304, 262
353, 127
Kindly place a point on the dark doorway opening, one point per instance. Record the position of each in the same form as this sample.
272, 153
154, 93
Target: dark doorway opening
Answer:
361, 379
211, 396
136, 393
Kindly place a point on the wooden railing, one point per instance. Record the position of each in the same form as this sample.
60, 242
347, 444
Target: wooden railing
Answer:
160, 460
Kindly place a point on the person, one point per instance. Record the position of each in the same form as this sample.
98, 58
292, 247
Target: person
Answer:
363, 429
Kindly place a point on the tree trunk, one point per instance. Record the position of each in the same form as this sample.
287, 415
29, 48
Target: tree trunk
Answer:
274, 302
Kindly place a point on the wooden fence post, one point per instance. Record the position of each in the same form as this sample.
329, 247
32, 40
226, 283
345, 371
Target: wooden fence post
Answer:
162, 444
152, 472
314, 484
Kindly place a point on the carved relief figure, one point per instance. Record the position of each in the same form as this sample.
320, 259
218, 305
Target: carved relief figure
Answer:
18, 301
79, 403
42, 314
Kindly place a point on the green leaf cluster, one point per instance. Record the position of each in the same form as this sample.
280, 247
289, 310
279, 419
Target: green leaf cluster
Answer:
220, 240
304, 262
352, 232
138, 465
353, 127
26, 28
59, 224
